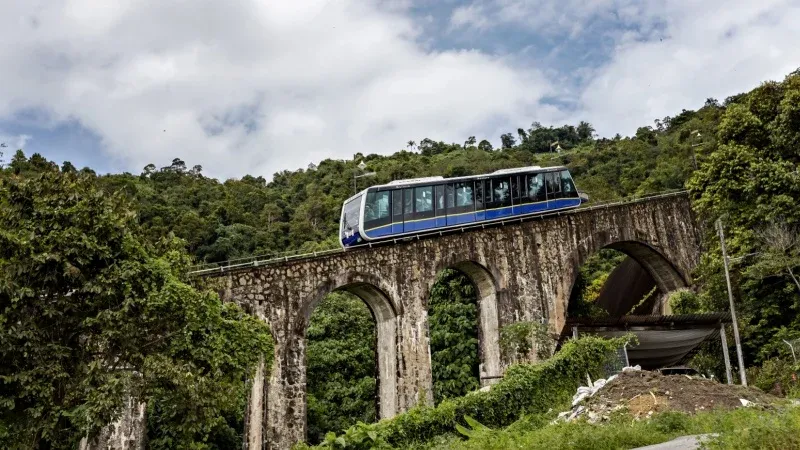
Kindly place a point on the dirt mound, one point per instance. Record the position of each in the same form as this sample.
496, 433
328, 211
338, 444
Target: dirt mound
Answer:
644, 393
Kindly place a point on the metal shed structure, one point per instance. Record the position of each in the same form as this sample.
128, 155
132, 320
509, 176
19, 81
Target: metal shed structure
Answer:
663, 340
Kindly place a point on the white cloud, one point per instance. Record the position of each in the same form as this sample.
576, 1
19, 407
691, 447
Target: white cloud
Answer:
665, 55
473, 15
553, 17
249, 86
710, 49
11, 143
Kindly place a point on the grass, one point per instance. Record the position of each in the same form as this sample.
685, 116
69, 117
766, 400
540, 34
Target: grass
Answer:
743, 428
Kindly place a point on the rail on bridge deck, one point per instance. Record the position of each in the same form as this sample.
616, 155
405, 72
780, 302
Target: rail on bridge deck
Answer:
262, 260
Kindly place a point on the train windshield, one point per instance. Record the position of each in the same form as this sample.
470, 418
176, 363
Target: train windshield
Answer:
567, 185
350, 215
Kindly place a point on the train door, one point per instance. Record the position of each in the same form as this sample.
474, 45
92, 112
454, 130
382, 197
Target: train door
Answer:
397, 211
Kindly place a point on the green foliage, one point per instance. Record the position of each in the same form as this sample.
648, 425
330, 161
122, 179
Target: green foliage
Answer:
742, 428
525, 389
747, 151
521, 341
90, 313
776, 375
340, 370
591, 277
751, 181
684, 301
453, 324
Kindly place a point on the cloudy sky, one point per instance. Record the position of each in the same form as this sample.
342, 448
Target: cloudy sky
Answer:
258, 86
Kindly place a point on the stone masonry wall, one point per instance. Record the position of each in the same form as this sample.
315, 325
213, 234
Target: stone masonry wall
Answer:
523, 270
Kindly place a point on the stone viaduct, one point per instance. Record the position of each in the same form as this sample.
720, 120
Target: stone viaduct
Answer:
523, 271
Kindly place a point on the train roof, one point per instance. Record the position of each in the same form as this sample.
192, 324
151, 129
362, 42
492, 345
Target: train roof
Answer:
440, 179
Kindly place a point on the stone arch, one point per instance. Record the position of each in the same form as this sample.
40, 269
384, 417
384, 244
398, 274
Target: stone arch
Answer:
384, 312
490, 365
634, 244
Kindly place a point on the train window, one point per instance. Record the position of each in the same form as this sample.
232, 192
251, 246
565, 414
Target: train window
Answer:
423, 202
523, 189
450, 196
515, 188
423, 199
440, 211
350, 217
536, 189
397, 205
553, 180
501, 192
408, 203
464, 194
478, 194
377, 205
567, 185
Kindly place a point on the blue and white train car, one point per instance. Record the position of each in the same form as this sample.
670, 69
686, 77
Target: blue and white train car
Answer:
407, 207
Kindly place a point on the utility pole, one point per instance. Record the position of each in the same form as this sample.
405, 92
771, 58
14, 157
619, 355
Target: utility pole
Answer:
724, 340
742, 374
361, 167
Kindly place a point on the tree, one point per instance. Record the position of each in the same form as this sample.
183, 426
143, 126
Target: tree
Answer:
19, 162
750, 179
177, 166
454, 336
523, 136
780, 254
90, 312
469, 142
341, 365
148, 170
485, 146
508, 140
410, 145
585, 131
68, 167
426, 146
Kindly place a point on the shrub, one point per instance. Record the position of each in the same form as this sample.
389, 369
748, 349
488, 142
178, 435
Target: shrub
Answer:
525, 389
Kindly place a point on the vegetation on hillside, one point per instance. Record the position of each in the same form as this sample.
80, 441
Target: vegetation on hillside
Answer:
739, 158
91, 312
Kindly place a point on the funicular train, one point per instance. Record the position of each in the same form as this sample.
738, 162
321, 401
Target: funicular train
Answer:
404, 208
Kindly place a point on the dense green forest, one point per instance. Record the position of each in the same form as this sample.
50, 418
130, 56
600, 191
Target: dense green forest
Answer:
738, 158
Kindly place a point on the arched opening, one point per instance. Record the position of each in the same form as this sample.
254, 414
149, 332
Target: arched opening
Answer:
351, 359
464, 335
632, 279
622, 278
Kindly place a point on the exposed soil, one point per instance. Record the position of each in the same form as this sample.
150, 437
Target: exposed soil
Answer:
644, 393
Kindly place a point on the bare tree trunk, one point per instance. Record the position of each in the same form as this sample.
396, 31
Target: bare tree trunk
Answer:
793, 277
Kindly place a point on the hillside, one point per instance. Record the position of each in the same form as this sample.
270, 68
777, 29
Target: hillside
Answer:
738, 158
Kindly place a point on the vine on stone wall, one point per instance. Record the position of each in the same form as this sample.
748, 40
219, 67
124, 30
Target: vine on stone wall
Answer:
525, 341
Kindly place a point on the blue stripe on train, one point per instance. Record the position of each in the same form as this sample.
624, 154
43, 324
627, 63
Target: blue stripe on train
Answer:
438, 222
